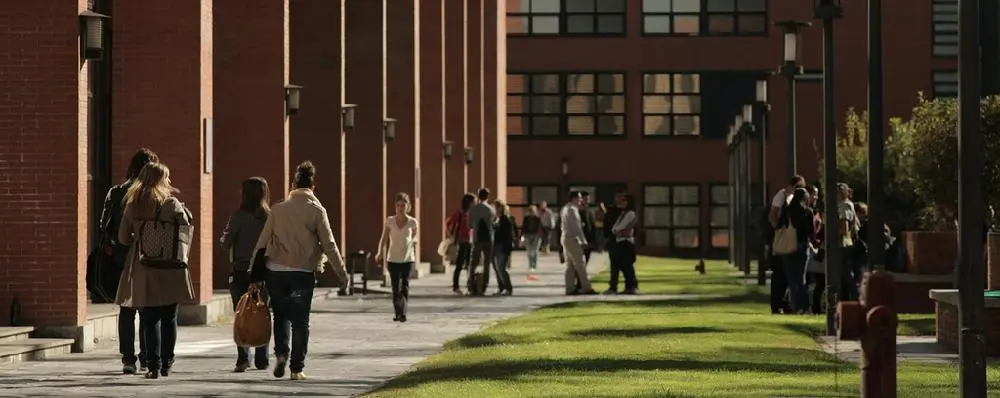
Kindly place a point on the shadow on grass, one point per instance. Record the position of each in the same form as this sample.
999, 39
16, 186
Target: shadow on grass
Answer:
644, 332
483, 340
744, 297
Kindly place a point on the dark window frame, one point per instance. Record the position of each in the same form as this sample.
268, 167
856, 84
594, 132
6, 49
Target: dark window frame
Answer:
563, 17
673, 228
563, 93
935, 93
672, 114
941, 27
704, 17
532, 201
715, 204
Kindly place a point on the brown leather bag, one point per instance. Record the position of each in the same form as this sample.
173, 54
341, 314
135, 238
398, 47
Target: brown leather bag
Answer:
252, 327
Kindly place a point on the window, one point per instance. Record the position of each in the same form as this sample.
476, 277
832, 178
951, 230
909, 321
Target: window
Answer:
671, 216
945, 20
945, 83
566, 17
520, 197
671, 104
704, 17
555, 104
719, 217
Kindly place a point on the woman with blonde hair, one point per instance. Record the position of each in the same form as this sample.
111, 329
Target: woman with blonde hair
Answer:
397, 246
505, 234
156, 290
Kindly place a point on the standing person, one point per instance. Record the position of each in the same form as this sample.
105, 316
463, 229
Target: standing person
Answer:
548, 226
589, 229
848, 231
503, 246
623, 257
816, 270
779, 281
531, 230
239, 239
295, 240
397, 247
460, 231
481, 218
574, 240
611, 215
800, 216
157, 292
111, 221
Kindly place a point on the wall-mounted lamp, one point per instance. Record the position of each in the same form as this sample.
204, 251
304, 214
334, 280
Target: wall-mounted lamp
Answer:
565, 167
347, 116
447, 149
292, 95
748, 114
470, 155
762, 91
389, 129
92, 35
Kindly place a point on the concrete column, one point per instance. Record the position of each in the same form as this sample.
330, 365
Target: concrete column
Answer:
495, 97
317, 51
403, 170
474, 76
456, 102
251, 128
162, 99
43, 163
432, 131
366, 151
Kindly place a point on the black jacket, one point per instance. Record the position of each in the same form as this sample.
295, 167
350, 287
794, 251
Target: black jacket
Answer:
505, 233
589, 230
531, 224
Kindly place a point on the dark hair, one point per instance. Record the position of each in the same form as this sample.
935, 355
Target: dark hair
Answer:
799, 197
629, 202
305, 175
584, 194
574, 195
798, 181
484, 193
405, 198
140, 159
255, 195
467, 200
812, 188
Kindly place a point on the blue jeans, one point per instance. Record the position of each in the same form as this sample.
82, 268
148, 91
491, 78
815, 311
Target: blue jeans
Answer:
126, 337
795, 272
238, 285
160, 328
291, 299
501, 257
532, 243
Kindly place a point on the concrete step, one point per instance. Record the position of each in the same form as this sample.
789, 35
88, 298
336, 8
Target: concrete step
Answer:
15, 333
31, 349
420, 270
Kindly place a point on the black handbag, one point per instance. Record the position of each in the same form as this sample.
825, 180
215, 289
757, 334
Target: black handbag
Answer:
102, 276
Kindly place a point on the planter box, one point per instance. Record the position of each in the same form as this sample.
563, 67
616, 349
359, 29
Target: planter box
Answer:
947, 321
930, 253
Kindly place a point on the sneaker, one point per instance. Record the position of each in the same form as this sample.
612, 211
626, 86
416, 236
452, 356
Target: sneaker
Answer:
299, 376
142, 367
129, 369
631, 291
261, 365
458, 292
532, 277
279, 367
241, 367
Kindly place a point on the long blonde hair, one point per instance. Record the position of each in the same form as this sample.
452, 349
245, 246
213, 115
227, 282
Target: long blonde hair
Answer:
150, 190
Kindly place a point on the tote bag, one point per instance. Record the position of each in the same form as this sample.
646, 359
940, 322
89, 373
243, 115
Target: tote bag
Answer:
252, 327
785, 241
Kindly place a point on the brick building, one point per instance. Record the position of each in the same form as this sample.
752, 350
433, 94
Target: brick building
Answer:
639, 94
206, 84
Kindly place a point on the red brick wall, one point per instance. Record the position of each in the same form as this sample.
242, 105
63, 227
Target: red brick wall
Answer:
251, 56
947, 318
162, 91
432, 129
403, 72
43, 163
456, 95
474, 75
494, 99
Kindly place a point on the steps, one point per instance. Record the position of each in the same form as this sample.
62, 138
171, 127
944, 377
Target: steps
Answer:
420, 270
17, 345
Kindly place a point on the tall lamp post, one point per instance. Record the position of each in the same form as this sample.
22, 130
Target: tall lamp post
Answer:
740, 193
791, 68
762, 111
746, 131
876, 139
829, 11
731, 152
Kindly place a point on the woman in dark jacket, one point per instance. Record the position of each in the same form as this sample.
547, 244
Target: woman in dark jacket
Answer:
800, 216
531, 231
503, 244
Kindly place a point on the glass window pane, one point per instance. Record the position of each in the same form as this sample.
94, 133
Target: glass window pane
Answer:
720, 194
720, 238
515, 6
611, 125
580, 24
580, 6
946, 51
653, 216
580, 83
721, 5
611, 24
546, 194
577, 104
545, 5
580, 125
515, 125
752, 5
517, 195
656, 195
516, 83
687, 6
719, 216
517, 25
752, 23
687, 125
545, 83
686, 238
610, 83
686, 217
656, 83
656, 24
545, 125
686, 25
657, 237
687, 83
656, 104
721, 24
946, 38
686, 104
657, 125
515, 104
611, 5
656, 5
546, 104
686, 195
545, 25
610, 104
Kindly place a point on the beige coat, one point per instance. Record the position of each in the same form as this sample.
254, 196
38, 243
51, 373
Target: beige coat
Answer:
142, 286
297, 234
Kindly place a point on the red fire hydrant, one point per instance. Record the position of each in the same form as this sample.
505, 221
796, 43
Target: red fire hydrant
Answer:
873, 320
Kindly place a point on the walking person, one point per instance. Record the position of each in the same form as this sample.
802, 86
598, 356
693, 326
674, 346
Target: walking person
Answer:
460, 231
482, 218
573, 242
611, 215
295, 240
779, 281
531, 231
398, 247
503, 245
111, 221
157, 292
548, 226
800, 216
239, 238
623, 257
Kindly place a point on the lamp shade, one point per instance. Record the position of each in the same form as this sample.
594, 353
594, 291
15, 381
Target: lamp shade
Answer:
470, 155
791, 47
347, 114
748, 113
292, 98
92, 35
389, 129
762, 90
447, 149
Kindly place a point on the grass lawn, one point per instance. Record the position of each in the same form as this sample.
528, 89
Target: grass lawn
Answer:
727, 346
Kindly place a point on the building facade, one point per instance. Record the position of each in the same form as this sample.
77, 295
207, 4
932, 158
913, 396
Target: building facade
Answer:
639, 94
226, 90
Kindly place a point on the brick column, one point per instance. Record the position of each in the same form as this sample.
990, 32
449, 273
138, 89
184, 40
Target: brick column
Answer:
316, 49
251, 129
495, 97
455, 102
403, 71
43, 163
162, 99
474, 76
366, 151
432, 130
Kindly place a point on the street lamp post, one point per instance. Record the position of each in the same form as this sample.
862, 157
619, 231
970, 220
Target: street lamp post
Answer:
762, 112
876, 139
747, 132
738, 199
791, 68
731, 205
829, 11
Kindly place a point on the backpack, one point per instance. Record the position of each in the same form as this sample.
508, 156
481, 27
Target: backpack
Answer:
166, 244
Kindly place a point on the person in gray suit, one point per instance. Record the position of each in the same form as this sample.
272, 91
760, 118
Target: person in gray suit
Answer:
481, 219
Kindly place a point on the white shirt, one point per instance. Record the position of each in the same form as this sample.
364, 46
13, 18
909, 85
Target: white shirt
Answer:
401, 240
572, 225
781, 199
624, 222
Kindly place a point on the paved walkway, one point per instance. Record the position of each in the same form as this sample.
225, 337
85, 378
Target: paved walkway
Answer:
354, 345
908, 348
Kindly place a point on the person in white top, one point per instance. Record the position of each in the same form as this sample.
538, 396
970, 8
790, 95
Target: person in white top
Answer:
573, 241
397, 247
624, 231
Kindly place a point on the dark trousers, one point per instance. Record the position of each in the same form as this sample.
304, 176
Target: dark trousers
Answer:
159, 325
795, 272
819, 280
126, 337
622, 256
291, 300
238, 286
501, 258
482, 253
779, 284
399, 275
462, 259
